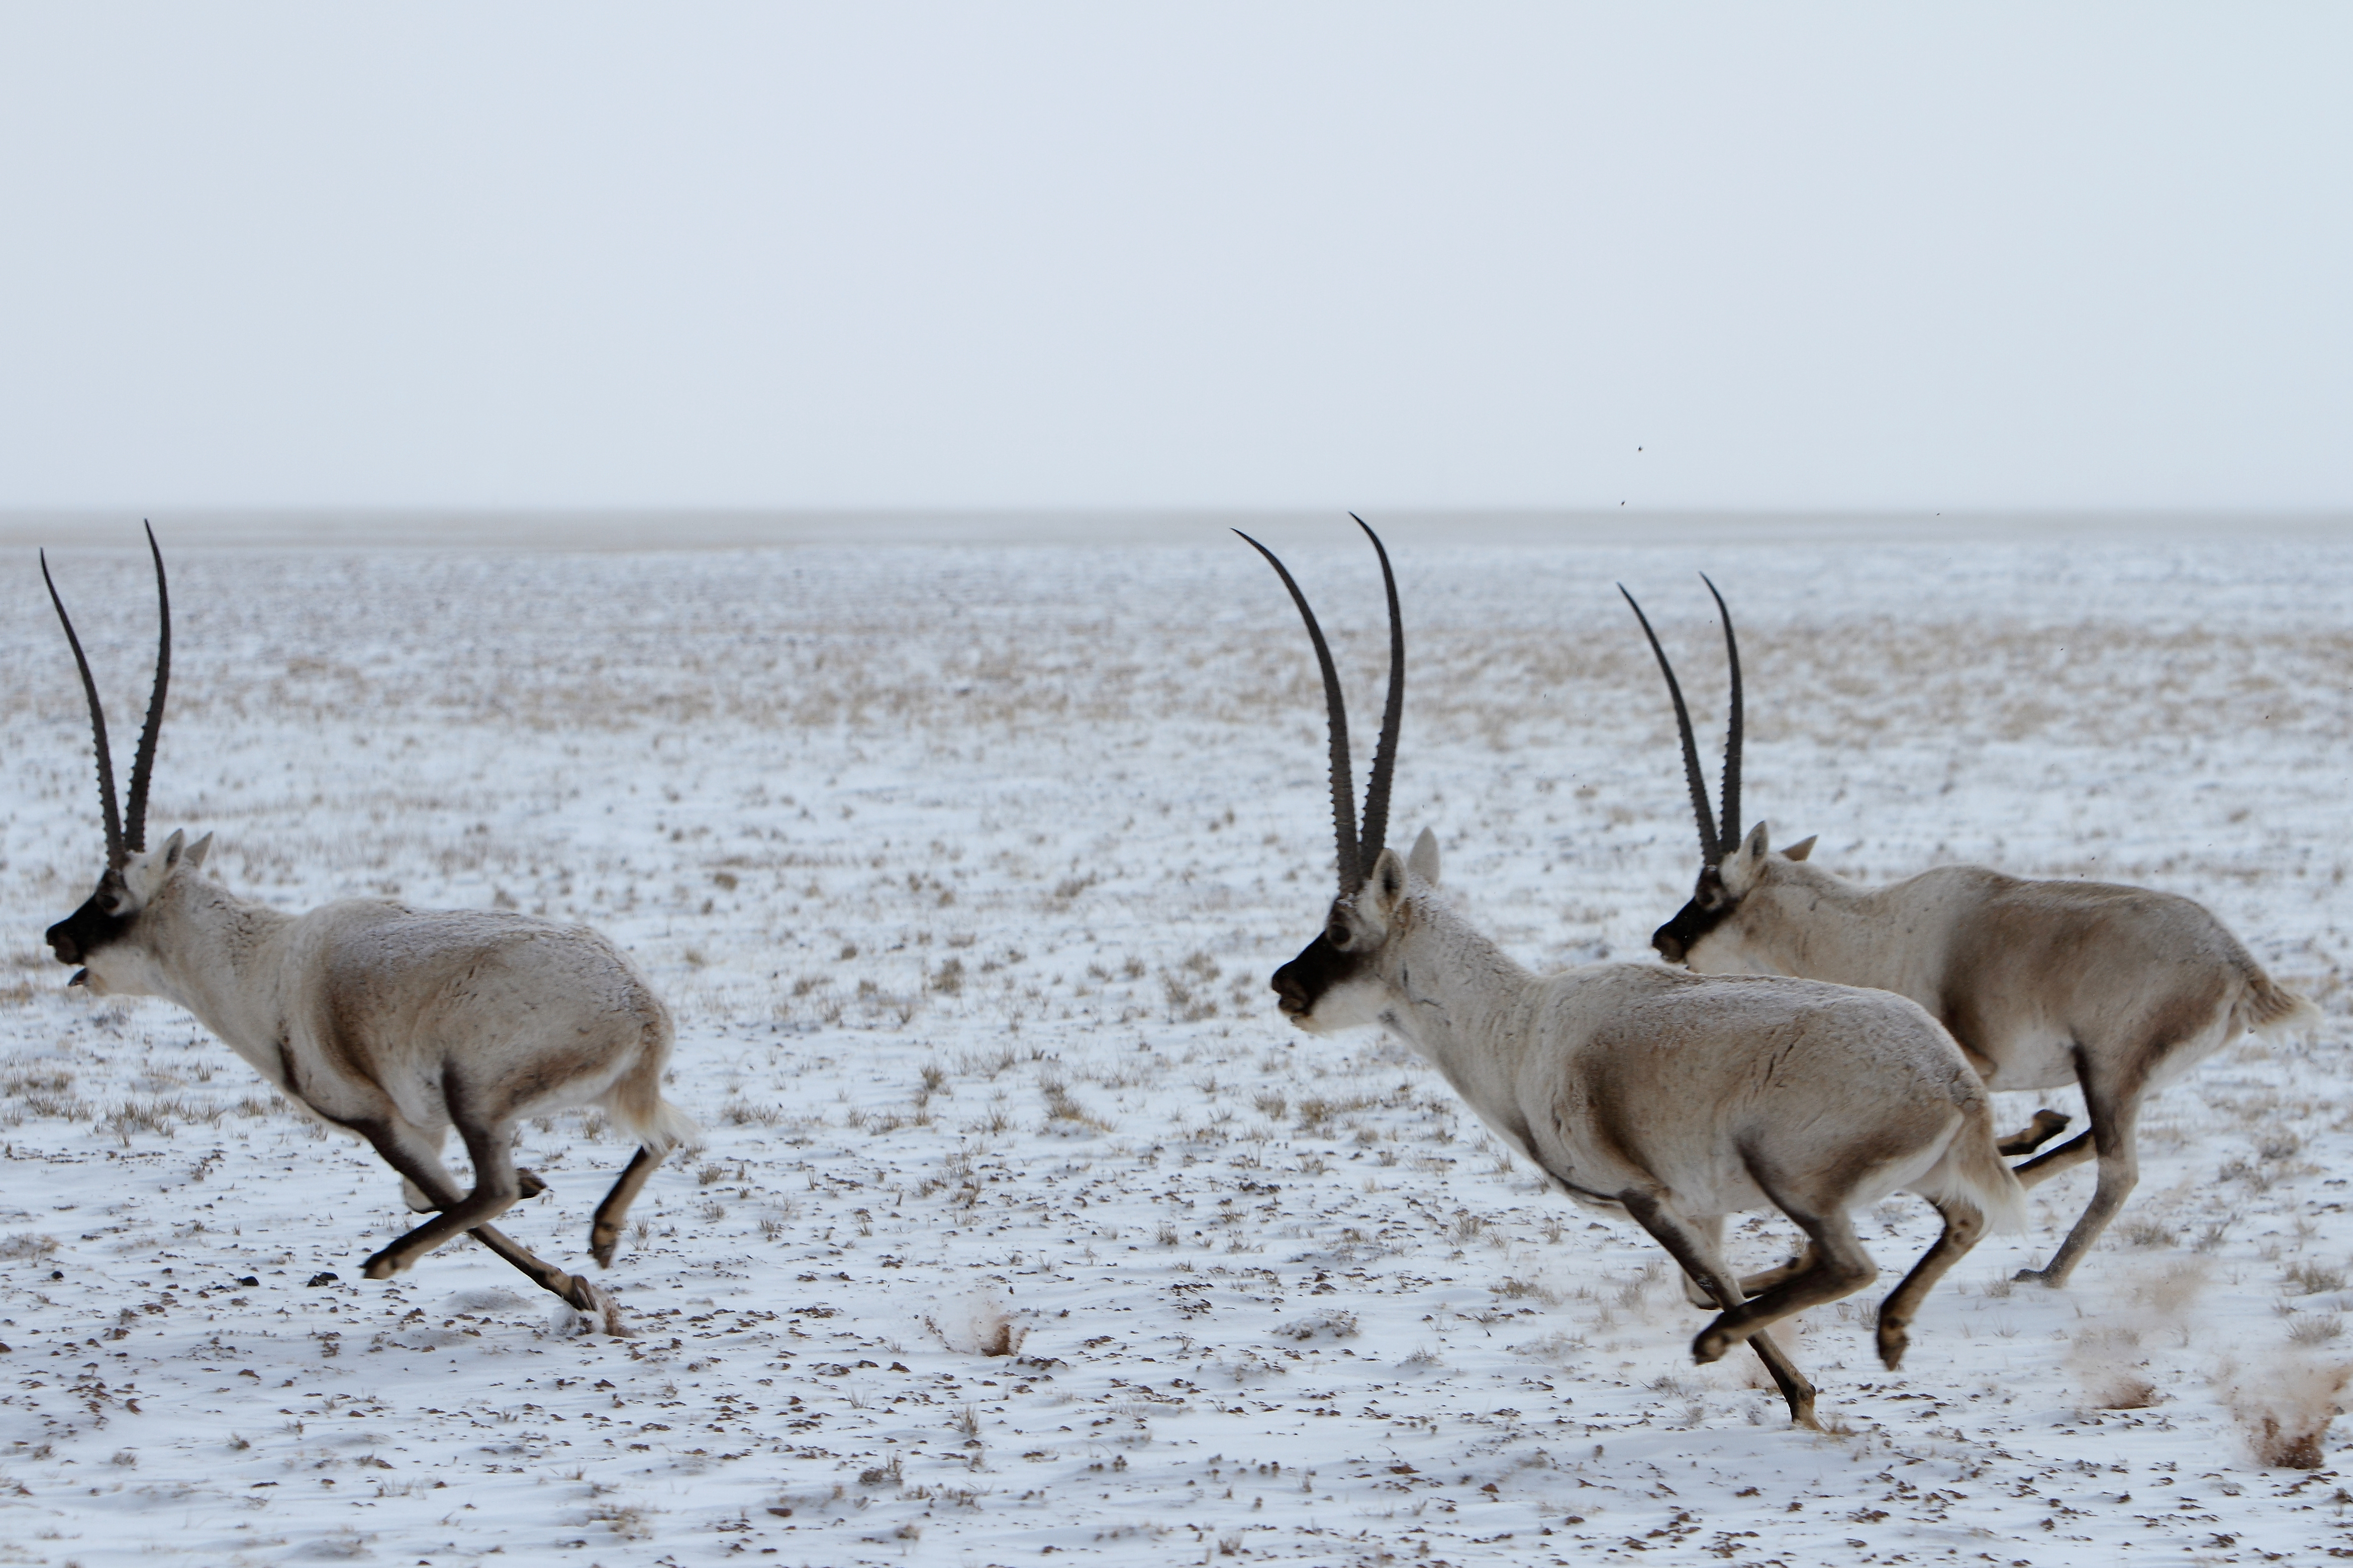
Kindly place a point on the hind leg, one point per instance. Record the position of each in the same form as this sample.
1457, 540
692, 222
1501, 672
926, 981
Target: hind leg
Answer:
2115, 1117
604, 1233
1964, 1224
1690, 1244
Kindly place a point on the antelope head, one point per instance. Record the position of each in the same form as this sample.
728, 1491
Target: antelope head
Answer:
1729, 868
1335, 982
100, 938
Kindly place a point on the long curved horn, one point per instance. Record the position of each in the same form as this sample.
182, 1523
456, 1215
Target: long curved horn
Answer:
1343, 788
1731, 734
142, 761
115, 853
1711, 847
1375, 831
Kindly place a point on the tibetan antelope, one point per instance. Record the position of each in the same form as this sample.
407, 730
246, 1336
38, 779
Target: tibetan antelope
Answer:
392, 1023
1674, 1098
2043, 983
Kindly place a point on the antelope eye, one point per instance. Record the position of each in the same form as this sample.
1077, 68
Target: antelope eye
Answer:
1336, 933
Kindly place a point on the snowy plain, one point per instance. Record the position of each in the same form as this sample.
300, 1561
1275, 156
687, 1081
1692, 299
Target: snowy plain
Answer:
964, 869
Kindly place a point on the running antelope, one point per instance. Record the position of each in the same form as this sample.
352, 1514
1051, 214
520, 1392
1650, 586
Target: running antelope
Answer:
2044, 984
392, 1023
1674, 1098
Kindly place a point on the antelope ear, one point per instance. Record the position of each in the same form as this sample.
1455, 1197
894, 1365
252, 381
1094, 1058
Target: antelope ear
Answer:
1385, 889
203, 846
169, 855
1740, 869
1802, 847
1423, 862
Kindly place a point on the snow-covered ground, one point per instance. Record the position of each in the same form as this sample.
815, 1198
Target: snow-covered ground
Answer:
964, 869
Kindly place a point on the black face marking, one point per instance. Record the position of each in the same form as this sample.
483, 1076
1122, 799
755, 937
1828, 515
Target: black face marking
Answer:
94, 926
1302, 983
1709, 907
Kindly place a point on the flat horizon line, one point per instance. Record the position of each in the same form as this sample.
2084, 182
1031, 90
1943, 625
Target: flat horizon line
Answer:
710, 527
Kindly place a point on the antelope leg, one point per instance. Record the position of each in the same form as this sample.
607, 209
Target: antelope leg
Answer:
2047, 1124
2114, 1117
1687, 1243
496, 1188
2051, 1162
606, 1231
1964, 1224
1835, 1265
420, 1163
528, 1179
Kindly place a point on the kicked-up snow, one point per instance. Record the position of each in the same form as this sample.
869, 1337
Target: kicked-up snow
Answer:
1020, 1229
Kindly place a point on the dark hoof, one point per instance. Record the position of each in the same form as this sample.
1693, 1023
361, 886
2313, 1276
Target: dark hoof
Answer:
601, 1250
380, 1267
2046, 1125
1893, 1343
528, 1185
596, 1304
2037, 1277
1710, 1346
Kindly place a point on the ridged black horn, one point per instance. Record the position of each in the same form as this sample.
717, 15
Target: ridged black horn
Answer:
1344, 789
142, 762
115, 853
1375, 832
1710, 846
1731, 734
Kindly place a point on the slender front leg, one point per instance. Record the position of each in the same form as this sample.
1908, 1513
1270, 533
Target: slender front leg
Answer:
414, 1195
1835, 1265
1697, 1294
2054, 1161
1687, 1244
496, 1188
2047, 1124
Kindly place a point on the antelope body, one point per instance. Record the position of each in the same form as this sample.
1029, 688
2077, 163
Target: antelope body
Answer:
393, 1023
1676, 1099
2043, 983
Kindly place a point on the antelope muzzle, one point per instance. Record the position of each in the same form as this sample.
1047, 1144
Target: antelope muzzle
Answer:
1302, 983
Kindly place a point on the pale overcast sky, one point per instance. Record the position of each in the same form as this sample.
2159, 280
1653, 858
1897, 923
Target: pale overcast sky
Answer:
1171, 256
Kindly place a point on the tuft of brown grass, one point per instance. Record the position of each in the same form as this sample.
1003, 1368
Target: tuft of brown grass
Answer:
2313, 1279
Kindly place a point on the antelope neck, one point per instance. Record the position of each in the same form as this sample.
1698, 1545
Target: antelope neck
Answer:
213, 944
1837, 937
1459, 1001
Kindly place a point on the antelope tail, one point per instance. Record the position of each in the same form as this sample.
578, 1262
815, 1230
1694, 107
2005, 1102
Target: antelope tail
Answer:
1978, 1173
2267, 1008
634, 1101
